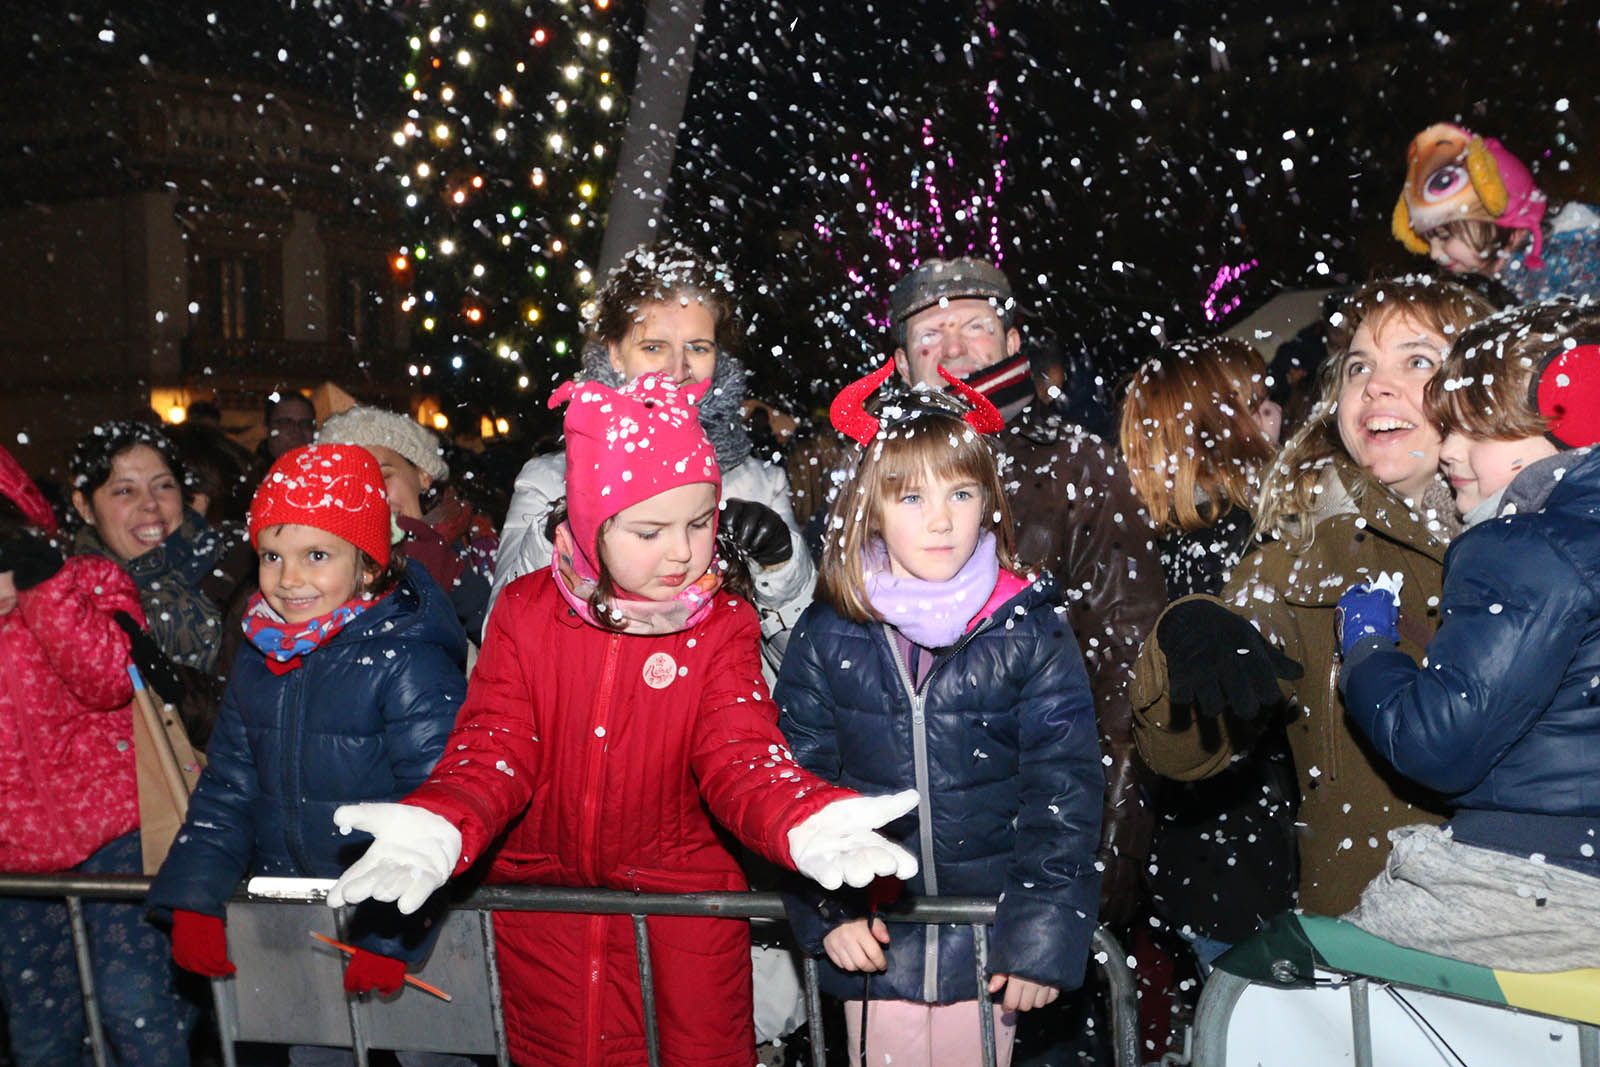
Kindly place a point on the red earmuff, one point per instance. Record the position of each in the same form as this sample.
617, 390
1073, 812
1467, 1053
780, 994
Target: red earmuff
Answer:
1566, 392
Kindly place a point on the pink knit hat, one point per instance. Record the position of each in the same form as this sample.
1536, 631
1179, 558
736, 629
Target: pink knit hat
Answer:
335, 488
626, 445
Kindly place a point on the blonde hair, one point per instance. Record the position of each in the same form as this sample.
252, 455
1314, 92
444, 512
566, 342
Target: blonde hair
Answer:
933, 446
1187, 431
1287, 506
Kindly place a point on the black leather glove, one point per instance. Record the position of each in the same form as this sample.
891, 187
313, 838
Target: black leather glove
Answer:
1218, 662
755, 531
30, 559
154, 666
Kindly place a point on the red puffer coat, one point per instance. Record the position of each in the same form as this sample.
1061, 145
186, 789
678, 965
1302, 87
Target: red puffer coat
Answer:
612, 759
66, 722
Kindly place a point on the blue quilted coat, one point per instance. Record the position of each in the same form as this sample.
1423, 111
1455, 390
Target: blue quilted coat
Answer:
363, 718
1505, 715
1001, 743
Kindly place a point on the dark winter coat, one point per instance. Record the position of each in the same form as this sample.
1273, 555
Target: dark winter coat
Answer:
1506, 714
184, 594
999, 741
191, 586
620, 761
66, 725
363, 718
1075, 515
1078, 517
1223, 857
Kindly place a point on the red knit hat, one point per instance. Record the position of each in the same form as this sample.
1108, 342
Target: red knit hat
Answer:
336, 488
626, 445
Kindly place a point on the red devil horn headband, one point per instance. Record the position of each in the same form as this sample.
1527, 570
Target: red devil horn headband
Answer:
849, 414
984, 416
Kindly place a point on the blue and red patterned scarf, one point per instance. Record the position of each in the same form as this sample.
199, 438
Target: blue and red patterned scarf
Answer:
284, 643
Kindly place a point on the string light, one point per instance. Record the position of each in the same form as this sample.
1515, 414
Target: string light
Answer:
497, 285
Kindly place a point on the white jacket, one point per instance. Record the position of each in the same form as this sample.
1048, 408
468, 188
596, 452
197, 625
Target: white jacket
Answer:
782, 593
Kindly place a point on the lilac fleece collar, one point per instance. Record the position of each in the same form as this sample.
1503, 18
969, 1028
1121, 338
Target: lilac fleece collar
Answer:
932, 614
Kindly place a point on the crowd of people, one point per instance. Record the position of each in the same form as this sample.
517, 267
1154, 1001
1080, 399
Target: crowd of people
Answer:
1176, 683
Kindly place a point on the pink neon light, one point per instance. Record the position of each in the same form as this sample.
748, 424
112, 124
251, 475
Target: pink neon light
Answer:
1226, 275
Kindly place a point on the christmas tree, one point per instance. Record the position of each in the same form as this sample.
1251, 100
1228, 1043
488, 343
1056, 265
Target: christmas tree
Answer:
503, 156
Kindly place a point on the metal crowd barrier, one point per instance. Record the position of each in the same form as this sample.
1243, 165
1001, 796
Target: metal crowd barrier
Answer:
973, 912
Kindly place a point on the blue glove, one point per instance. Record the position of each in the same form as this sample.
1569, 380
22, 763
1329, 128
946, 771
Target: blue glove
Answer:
1370, 609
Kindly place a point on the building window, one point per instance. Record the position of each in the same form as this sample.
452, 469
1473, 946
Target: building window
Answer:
233, 283
360, 311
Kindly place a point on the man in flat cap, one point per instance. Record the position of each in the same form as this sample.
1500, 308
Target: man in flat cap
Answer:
1076, 515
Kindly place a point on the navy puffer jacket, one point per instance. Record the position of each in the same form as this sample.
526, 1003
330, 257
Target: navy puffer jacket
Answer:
1505, 716
1001, 744
363, 718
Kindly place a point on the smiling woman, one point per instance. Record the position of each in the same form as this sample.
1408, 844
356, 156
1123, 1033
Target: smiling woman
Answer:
670, 311
129, 493
1356, 491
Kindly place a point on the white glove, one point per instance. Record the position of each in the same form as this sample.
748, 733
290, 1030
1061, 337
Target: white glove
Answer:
840, 843
413, 852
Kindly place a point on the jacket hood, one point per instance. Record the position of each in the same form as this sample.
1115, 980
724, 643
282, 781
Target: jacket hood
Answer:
1041, 589
417, 610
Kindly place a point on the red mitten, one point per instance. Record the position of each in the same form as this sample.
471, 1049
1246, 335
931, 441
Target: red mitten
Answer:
368, 971
200, 944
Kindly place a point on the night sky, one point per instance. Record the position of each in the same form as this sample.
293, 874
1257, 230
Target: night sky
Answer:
1138, 155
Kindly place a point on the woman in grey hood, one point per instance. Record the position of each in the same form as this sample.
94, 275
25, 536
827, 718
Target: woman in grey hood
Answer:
669, 310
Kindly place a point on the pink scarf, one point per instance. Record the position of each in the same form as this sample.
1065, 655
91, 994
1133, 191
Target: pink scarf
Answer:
577, 585
932, 614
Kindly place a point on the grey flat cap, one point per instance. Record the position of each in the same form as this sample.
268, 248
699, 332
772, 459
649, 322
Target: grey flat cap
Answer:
949, 279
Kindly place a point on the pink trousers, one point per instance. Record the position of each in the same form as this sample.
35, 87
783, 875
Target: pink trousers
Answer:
904, 1033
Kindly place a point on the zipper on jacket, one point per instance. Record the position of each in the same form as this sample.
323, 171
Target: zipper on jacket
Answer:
294, 711
589, 838
919, 759
599, 723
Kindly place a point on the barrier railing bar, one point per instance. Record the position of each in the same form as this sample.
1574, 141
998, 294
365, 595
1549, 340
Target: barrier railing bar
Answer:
971, 911
358, 1030
1124, 997
980, 952
227, 1021
1361, 1021
486, 927
91, 1002
647, 990
819, 1053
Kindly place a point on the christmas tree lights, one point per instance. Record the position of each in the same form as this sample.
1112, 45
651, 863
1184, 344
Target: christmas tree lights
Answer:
502, 159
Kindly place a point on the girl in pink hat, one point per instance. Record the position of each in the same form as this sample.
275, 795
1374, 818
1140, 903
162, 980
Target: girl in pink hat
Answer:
616, 729
1474, 208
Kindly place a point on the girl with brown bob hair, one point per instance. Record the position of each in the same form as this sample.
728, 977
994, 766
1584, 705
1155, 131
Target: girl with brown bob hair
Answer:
1190, 435
929, 662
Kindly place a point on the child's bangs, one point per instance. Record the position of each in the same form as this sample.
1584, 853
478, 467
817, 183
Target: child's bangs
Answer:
929, 450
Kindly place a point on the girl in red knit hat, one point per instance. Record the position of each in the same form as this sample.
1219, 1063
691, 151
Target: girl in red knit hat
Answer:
617, 726
345, 691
